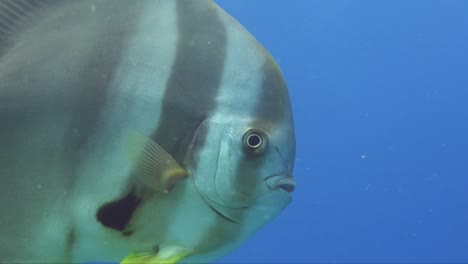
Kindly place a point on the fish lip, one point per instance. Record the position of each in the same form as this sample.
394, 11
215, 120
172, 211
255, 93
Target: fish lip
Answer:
283, 182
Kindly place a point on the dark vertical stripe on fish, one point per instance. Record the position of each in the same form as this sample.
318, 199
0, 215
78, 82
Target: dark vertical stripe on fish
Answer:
275, 106
269, 111
274, 98
195, 80
70, 242
196, 74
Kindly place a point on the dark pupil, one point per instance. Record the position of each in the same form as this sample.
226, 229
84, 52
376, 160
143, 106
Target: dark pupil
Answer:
254, 140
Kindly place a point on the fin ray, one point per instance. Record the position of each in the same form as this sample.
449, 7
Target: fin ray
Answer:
14, 14
153, 166
169, 255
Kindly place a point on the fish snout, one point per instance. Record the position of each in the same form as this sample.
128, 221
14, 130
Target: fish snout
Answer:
281, 182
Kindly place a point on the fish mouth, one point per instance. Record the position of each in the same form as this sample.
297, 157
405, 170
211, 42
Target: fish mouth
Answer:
281, 182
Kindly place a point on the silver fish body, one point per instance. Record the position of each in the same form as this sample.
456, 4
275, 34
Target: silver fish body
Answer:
78, 77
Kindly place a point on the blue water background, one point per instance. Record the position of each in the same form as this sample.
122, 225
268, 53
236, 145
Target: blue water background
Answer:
380, 97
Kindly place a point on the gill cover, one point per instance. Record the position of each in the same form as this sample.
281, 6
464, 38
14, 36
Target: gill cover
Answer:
216, 168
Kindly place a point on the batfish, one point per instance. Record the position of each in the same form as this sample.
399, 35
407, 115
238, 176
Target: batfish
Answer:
144, 131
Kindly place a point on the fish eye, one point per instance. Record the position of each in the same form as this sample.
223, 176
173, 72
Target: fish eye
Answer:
254, 140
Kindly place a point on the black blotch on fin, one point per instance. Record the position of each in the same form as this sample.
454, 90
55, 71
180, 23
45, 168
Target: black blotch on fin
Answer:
127, 233
117, 214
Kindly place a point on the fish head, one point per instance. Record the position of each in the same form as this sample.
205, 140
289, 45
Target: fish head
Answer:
244, 160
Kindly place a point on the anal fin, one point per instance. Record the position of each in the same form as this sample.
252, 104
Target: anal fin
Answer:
168, 255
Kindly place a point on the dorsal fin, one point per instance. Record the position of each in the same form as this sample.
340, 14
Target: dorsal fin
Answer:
14, 12
14, 15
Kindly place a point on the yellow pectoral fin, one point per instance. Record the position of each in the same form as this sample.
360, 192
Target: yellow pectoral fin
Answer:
169, 257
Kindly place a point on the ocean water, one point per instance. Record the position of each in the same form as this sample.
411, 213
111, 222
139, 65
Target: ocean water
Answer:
380, 97
379, 91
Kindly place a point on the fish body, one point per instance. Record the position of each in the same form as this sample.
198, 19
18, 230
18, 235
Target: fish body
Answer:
212, 152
